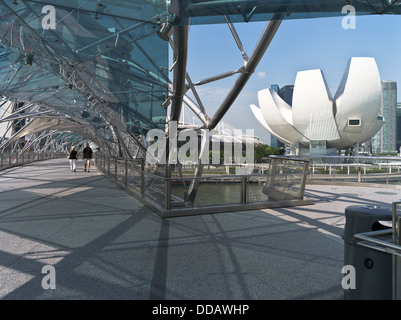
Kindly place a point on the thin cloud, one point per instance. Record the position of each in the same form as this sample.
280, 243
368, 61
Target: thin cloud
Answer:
262, 74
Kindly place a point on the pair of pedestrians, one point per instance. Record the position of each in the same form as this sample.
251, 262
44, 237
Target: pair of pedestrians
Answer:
86, 156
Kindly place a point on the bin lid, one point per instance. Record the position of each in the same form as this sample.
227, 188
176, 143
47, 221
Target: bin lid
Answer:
360, 219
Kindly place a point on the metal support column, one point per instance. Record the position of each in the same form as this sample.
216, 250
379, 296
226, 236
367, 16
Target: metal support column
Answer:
248, 69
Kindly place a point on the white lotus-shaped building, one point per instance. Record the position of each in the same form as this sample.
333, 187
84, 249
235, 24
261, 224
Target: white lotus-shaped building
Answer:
351, 117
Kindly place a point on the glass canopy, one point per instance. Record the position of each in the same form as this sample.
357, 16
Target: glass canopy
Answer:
102, 64
216, 11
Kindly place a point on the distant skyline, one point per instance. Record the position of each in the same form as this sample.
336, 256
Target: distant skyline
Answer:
319, 43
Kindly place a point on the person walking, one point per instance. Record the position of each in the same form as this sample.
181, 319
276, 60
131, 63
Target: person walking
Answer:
73, 157
87, 157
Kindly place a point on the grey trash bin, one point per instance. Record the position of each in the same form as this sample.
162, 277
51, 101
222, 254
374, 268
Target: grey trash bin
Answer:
373, 269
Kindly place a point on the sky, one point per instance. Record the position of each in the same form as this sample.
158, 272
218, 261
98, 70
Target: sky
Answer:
298, 45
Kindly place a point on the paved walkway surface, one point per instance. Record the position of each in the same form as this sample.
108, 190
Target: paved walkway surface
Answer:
104, 244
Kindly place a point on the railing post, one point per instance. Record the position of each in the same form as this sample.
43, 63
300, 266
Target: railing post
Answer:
168, 186
142, 176
126, 173
115, 168
387, 173
244, 190
303, 182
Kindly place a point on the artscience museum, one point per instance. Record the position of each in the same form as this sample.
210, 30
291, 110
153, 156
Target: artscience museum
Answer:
318, 123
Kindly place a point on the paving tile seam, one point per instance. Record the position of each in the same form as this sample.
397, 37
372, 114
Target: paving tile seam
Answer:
269, 284
44, 241
223, 240
18, 257
231, 257
69, 217
284, 252
42, 197
103, 205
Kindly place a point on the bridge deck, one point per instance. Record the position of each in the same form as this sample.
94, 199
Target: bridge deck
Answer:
104, 244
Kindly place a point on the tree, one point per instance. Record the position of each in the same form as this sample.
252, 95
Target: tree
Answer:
263, 151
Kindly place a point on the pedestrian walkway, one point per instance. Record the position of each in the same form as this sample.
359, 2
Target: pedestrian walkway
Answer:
104, 244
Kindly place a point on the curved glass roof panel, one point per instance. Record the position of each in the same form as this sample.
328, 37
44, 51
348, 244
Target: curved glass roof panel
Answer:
100, 56
213, 11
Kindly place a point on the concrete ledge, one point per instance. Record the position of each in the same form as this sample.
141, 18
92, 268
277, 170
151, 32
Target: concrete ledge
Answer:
355, 184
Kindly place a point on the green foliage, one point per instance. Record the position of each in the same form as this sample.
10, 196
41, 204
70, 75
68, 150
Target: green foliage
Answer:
387, 154
376, 170
263, 151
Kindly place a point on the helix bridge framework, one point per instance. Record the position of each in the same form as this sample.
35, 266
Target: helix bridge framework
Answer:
100, 71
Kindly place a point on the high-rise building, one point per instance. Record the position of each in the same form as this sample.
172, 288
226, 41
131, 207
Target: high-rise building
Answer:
275, 87
386, 139
274, 142
398, 126
286, 93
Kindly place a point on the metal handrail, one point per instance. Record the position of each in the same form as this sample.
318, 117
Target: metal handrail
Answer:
136, 168
228, 176
392, 247
389, 246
